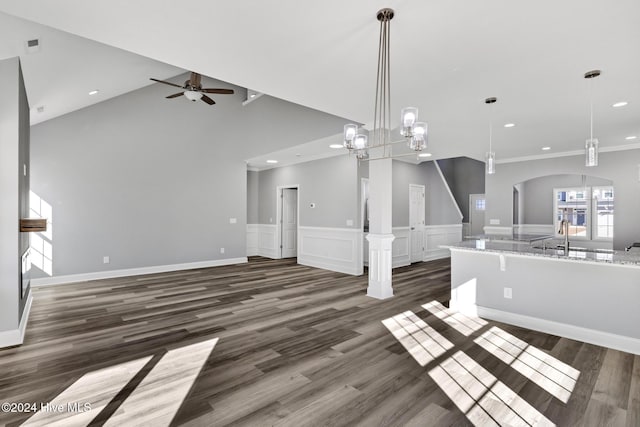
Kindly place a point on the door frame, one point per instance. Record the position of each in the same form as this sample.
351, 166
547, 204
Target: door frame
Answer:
279, 189
365, 246
424, 220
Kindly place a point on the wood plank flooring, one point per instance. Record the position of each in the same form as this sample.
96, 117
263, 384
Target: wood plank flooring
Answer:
296, 346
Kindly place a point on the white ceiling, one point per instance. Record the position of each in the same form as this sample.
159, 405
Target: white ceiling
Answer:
447, 57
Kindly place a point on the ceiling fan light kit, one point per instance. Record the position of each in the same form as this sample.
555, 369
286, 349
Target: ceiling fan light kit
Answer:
193, 91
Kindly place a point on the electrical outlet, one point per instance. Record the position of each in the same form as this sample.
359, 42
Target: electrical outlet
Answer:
106, 260
349, 223
507, 293
221, 250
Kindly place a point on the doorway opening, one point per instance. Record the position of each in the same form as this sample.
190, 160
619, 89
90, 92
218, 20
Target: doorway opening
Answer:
287, 220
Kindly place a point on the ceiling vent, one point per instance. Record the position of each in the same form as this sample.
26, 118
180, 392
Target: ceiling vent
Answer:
32, 46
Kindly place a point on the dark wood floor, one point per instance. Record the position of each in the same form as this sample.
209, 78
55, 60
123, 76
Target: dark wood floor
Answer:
297, 346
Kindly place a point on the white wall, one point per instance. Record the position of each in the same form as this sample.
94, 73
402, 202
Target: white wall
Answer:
150, 182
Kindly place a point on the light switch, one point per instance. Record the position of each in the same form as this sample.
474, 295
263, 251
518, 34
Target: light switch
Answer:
349, 223
232, 220
494, 221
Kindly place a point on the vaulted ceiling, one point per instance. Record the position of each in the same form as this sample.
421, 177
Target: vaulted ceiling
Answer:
447, 57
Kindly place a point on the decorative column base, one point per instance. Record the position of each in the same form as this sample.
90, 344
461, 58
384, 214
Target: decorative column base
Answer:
380, 263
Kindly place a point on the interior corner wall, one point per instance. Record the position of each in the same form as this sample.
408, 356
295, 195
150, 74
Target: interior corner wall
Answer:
150, 182
331, 184
621, 167
464, 176
439, 208
24, 172
252, 196
11, 109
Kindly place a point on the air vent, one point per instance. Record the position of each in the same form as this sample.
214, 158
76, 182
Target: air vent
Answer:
33, 45
40, 109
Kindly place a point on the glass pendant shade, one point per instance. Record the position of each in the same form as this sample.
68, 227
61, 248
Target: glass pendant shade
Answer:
490, 162
360, 142
591, 152
408, 117
418, 141
350, 131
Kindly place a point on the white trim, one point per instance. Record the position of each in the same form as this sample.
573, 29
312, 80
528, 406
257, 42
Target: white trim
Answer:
267, 243
605, 339
492, 229
279, 199
444, 181
567, 154
438, 235
83, 277
335, 249
16, 336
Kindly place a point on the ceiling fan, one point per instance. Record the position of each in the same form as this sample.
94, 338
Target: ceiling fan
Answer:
193, 89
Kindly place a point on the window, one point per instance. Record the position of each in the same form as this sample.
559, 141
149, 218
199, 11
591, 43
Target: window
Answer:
480, 204
590, 218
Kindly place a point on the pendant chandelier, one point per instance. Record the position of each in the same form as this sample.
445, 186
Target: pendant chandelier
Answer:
490, 156
591, 146
414, 132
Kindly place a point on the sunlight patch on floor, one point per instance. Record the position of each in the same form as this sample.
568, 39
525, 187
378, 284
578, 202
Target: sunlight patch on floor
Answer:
546, 371
418, 338
461, 323
481, 397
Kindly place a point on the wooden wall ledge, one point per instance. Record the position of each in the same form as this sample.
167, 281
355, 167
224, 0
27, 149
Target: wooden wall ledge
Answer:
33, 224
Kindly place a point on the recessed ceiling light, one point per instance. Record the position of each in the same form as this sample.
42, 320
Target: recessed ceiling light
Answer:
336, 146
620, 104
94, 92
272, 161
546, 148
424, 155
631, 137
253, 95
509, 125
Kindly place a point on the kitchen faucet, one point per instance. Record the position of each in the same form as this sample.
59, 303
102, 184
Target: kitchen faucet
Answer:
564, 229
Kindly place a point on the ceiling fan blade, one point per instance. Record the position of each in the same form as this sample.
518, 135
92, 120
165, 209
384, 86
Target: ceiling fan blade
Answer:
167, 83
208, 100
175, 95
220, 91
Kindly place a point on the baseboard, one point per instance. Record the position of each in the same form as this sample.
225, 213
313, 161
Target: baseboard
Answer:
74, 278
16, 336
591, 336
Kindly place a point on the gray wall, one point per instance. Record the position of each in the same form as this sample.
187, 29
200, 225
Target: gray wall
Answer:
14, 116
537, 203
149, 181
252, 197
439, 208
621, 167
464, 176
332, 184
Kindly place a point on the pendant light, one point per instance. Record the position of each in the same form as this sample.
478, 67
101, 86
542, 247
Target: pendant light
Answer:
490, 156
591, 146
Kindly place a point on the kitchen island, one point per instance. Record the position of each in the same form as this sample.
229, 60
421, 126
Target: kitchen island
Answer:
587, 295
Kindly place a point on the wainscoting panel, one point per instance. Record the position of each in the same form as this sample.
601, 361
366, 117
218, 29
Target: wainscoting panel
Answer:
494, 229
268, 241
546, 229
441, 235
401, 248
252, 239
335, 249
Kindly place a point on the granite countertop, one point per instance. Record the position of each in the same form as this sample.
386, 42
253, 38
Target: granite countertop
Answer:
515, 237
631, 258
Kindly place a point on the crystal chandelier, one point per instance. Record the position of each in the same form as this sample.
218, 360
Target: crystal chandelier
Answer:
414, 132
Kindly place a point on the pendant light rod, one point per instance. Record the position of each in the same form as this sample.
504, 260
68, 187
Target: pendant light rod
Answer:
490, 157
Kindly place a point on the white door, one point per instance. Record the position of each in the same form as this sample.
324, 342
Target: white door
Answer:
289, 222
416, 222
476, 214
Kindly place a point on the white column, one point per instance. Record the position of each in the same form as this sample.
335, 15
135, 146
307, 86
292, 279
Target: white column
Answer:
380, 236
